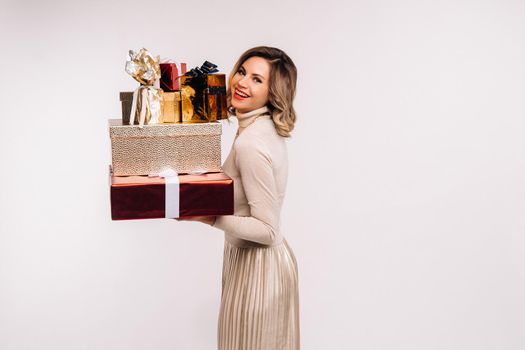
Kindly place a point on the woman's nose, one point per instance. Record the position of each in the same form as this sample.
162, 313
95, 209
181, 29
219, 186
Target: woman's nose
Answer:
243, 81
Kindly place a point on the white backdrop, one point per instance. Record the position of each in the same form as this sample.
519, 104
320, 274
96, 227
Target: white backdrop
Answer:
406, 197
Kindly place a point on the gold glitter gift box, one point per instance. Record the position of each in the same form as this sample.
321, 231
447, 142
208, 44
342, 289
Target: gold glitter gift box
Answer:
186, 148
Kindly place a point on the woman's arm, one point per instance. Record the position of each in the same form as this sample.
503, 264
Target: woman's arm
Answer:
209, 220
255, 166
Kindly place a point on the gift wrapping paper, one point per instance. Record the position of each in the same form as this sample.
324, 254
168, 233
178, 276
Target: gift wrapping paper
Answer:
186, 148
145, 69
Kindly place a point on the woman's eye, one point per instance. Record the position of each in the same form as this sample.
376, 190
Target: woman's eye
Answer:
257, 80
241, 72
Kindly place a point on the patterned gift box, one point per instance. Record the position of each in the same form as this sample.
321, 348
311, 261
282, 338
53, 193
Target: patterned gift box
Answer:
143, 197
203, 98
186, 148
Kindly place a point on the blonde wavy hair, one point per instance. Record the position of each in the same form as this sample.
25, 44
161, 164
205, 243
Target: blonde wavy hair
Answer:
283, 81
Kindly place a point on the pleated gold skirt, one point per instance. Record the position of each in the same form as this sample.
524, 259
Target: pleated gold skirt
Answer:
260, 301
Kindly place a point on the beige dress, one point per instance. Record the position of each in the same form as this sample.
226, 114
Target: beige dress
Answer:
259, 305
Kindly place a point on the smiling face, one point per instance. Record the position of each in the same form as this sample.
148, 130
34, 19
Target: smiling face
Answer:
250, 85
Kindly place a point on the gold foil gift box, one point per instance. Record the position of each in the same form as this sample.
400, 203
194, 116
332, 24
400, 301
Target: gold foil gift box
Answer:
203, 95
186, 148
170, 107
203, 98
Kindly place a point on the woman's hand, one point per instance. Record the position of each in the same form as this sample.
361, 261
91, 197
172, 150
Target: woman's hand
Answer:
210, 220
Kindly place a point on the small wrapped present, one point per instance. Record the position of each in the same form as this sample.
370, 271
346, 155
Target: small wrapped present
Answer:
170, 107
203, 95
170, 196
185, 148
144, 68
170, 73
126, 98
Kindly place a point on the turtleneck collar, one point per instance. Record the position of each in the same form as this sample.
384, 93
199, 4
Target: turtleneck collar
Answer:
247, 118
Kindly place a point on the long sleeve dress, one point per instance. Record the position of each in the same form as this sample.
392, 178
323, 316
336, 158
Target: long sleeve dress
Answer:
259, 304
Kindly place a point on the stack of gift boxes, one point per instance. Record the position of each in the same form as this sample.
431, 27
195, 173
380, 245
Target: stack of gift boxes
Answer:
166, 148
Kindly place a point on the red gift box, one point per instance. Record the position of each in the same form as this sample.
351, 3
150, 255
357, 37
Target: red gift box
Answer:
169, 76
143, 197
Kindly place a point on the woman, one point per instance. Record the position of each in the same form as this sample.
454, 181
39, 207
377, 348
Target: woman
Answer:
259, 306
